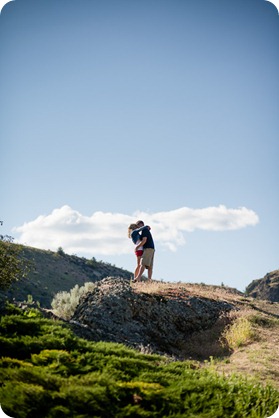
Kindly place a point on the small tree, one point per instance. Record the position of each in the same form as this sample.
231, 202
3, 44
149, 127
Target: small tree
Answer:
60, 251
12, 267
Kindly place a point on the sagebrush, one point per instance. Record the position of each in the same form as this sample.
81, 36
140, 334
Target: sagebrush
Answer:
64, 303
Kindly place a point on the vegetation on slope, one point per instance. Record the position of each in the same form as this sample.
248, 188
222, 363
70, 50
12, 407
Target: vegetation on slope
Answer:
12, 267
52, 272
46, 371
244, 340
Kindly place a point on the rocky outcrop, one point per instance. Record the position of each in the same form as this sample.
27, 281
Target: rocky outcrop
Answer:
266, 288
115, 312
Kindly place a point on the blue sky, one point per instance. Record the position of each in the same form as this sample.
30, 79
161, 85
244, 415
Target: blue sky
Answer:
165, 110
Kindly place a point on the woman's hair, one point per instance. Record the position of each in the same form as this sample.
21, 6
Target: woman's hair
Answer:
131, 228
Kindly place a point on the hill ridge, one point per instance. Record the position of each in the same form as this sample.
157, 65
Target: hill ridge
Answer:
52, 272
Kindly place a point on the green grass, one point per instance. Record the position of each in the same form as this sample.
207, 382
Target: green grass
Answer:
46, 371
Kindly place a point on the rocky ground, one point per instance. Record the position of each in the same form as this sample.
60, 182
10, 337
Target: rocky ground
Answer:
162, 323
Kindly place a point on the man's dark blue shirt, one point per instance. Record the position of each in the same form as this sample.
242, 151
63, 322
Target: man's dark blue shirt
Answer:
149, 240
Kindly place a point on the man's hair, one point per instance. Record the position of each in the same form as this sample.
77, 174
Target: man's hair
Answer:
139, 222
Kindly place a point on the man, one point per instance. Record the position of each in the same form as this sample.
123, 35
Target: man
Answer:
148, 252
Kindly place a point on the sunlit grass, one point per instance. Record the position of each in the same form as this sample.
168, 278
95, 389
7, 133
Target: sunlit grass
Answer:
49, 372
241, 332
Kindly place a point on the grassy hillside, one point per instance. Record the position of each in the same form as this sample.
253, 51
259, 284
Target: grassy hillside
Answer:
244, 340
51, 272
48, 372
230, 370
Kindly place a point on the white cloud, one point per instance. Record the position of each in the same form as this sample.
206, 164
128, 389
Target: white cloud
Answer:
106, 233
3, 3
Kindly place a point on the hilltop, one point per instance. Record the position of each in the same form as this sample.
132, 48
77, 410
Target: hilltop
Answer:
52, 272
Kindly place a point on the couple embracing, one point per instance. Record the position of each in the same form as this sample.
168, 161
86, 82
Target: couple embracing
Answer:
144, 248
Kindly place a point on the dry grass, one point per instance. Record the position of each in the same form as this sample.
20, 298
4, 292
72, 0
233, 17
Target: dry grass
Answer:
182, 289
240, 331
259, 357
245, 341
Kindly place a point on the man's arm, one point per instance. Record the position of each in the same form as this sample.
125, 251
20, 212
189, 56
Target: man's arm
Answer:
142, 228
141, 243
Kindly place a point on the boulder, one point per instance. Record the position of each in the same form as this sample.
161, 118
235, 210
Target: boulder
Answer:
116, 312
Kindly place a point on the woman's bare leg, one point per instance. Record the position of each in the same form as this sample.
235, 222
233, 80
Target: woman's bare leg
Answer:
138, 267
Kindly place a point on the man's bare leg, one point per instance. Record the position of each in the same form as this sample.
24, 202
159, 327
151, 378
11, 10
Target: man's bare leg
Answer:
150, 271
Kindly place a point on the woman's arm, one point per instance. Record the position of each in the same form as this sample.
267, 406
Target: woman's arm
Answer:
141, 243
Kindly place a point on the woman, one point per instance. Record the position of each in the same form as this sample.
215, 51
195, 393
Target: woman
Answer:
134, 234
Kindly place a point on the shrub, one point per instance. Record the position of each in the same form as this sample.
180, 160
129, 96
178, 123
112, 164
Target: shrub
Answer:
60, 251
49, 372
65, 303
240, 333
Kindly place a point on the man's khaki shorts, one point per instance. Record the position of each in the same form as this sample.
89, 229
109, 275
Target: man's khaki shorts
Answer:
148, 257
